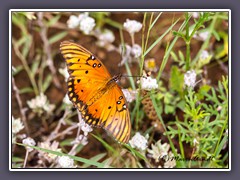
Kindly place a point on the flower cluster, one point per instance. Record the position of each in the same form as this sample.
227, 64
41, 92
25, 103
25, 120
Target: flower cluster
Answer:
66, 162
17, 126
196, 15
130, 54
130, 95
138, 141
132, 26
30, 142
50, 146
161, 151
64, 72
150, 65
83, 21
40, 104
85, 127
67, 101
190, 78
202, 36
148, 83
105, 39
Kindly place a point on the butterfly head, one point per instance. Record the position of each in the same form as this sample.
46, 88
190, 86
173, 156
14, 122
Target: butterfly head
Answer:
117, 77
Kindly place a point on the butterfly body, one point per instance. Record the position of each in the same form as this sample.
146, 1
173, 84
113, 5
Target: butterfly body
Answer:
95, 93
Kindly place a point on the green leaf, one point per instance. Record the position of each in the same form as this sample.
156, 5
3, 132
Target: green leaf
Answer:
174, 56
57, 37
35, 65
17, 70
202, 91
176, 80
95, 158
160, 38
135, 152
181, 56
25, 90
47, 82
66, 142
80, 159
17, 159
53, 20
169, 109
105, 144
155, 20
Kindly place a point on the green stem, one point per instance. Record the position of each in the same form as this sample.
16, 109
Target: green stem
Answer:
187, 37
26, 67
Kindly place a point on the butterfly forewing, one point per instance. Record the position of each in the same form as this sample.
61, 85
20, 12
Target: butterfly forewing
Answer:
101, 103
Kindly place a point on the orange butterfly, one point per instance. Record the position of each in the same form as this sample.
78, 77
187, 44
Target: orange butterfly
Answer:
95, 93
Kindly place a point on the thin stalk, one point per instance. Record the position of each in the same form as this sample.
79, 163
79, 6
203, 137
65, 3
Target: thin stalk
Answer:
22, 110
148, 32
143, 38
187, 39
26, 67
26, 157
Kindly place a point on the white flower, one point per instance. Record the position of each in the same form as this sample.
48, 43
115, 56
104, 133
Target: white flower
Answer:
204, 55
203, 35
190, 78
64, 72
13, 138
219, 108
148, 83
30, 142
171, 162
47, 145
66, 162
195, 142
85, 127
86, 23
226, 132
81, 139
150, 65
196, 15
138, 141
132, 26
136, 50
73, 21
13, 69
17, 125
159, 150
105, 39
66, 100
130, 95
106, 36
41, 104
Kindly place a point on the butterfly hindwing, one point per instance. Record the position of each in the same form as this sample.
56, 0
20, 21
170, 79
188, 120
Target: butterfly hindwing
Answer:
100, 103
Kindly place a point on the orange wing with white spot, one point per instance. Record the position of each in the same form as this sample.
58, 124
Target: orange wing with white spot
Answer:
101, 104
